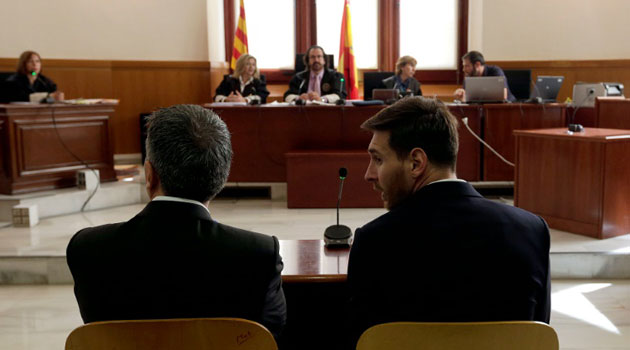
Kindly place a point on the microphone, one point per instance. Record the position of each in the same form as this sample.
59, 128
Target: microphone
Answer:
48, 99
578, 127
338, 236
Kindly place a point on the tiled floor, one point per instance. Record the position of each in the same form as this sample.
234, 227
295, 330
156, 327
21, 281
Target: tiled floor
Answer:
590, 314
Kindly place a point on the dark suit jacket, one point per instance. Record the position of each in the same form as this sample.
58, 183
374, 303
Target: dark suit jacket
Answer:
331, 83
256, 87
448, 254
414, 85
18, 88
496, 71
173, 261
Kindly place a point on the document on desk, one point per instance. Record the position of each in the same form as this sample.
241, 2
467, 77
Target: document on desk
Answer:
227, 104
276, 104
320, 103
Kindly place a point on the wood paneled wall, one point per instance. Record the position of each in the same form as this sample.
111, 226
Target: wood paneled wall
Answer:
575, 71
141, 86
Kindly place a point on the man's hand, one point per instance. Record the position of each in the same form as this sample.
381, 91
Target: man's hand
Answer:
314, 96
304, 97
460, 94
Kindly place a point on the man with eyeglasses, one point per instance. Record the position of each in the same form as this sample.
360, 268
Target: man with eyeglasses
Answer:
316, 83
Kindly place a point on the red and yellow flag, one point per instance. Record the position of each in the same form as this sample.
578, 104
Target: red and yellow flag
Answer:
347, 66
240, 38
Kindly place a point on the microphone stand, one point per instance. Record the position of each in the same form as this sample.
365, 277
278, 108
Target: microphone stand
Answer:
338, 236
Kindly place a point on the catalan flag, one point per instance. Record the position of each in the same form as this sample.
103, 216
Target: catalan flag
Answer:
240, 38
347, 66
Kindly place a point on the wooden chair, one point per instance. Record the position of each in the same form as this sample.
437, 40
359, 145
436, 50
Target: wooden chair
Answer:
198, 334
514, 335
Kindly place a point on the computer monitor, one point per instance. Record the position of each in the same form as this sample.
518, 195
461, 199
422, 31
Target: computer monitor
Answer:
520, 82
373, 80
547, 87
485, 89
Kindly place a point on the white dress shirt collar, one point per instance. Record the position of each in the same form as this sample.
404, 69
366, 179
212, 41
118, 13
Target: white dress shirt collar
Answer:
182, 200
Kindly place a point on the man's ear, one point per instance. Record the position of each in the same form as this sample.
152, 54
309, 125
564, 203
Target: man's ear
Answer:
418, 162
152, 179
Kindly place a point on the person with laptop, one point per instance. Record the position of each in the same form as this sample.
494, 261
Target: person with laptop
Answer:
404, 80
474, 65
442, 252
316, 83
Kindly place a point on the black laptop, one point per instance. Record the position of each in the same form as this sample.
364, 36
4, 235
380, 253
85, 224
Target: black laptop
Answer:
547, 87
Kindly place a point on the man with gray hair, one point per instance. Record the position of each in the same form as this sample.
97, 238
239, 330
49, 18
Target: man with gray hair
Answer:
172, 260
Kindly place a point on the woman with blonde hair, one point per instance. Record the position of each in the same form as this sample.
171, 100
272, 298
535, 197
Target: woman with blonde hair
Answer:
404, 81
244, 85
28, 79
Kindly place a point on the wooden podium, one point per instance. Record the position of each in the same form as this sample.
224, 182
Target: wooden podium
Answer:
39, 144
577, 182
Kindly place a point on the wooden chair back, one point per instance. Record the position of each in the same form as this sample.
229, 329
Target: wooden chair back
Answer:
181, 334
514, 335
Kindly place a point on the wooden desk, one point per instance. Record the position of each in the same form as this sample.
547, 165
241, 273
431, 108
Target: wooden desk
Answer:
262, 135
579, 182
314, 283
33, 156
309, 261
500, 120
612, 112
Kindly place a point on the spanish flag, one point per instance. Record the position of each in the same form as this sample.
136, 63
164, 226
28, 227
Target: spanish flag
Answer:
240, 38
346, 54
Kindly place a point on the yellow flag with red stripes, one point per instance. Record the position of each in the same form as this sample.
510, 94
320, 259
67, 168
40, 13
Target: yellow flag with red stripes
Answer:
347, 65
240, 38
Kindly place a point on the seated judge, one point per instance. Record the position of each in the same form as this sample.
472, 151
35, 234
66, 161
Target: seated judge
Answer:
317, 82
245, 85
28, 79
404, 80
442, 252
173, 259
474, 65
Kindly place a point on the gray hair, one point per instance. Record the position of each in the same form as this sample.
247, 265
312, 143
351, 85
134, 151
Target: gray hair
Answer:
190, 150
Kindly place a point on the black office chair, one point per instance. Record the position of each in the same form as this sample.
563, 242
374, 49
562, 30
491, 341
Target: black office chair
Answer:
299, 62
373, 80
4, 93
519, 82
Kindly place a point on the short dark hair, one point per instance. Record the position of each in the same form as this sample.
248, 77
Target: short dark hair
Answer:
473, 57
24, 57
305, 58
419, 122
190, 150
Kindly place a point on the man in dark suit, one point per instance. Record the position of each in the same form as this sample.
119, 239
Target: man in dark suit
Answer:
442, 252
317, 83
173, 260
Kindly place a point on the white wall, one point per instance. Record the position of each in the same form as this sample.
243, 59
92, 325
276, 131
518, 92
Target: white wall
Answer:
550, 29
216, 31
192, 30
106, 29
